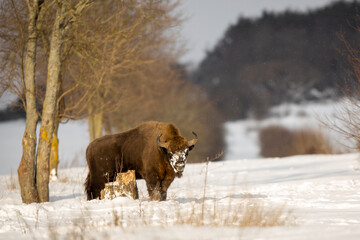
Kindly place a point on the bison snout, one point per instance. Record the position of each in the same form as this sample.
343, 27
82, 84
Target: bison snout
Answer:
180, 166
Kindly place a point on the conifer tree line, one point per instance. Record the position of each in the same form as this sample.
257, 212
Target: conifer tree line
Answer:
287, 56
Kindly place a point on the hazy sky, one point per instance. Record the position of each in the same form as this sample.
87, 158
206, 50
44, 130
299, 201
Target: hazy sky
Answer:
207, 20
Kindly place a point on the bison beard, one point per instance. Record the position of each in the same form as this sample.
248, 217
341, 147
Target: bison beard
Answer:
155, 150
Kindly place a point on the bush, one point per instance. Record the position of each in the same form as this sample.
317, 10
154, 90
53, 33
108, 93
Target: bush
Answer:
278, 141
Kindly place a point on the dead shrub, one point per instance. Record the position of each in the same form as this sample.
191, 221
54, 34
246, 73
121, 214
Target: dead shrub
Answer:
278, 141
348, 117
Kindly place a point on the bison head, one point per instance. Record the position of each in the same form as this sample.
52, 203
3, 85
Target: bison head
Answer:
177, 150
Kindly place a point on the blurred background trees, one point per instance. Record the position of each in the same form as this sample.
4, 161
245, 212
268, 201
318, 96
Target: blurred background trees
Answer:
283, 57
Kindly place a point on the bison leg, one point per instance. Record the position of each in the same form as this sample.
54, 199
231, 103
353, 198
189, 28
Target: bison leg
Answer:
92, 188
158, 190
165, 184
163, 195
95, 191
154, 190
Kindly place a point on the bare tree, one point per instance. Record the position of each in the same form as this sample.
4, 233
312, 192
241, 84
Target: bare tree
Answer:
120, 40
26, 171
65, 16
34, 182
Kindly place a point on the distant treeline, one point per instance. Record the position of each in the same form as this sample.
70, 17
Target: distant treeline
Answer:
288, 56
13, 111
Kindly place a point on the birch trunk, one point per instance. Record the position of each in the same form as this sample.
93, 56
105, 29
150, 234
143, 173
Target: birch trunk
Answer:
26, 170
49, 108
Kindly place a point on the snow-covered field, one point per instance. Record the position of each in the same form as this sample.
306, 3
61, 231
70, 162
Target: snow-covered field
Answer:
317, 197
300, 197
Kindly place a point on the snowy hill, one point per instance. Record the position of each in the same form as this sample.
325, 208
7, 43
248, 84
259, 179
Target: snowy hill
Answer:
302, 197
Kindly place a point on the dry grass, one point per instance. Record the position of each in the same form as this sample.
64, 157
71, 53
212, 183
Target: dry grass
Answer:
11, 182
278, 141
247, 213
244, 213
257, 215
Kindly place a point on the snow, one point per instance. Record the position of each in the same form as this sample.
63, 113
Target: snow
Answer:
316, 196
322, 193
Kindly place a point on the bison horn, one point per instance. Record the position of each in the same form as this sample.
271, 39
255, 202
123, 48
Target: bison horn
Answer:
158, 141
193, 141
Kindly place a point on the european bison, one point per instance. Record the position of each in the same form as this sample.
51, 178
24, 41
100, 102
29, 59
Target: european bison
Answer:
155, 150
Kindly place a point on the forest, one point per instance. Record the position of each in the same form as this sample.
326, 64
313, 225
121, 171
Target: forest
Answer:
287, 56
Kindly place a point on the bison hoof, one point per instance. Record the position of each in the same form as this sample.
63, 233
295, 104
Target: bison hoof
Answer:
155, 196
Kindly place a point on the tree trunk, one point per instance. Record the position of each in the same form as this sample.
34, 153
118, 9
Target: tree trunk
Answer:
26, 170
124, 186
54, 152
107, 124
49, 108
95, 120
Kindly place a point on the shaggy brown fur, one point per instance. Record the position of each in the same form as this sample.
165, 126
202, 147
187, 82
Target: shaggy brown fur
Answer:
140, 149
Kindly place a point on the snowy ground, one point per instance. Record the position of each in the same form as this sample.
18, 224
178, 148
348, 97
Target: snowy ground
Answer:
310, 197
318, 195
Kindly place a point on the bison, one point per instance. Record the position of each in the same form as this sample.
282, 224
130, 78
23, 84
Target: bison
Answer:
155, 150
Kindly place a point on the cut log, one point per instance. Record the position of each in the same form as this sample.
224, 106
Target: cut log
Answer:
123, 186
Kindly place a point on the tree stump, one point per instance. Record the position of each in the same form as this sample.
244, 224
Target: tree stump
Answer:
123, 186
